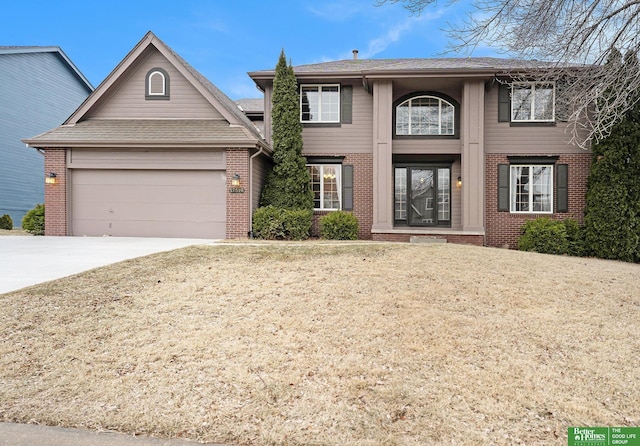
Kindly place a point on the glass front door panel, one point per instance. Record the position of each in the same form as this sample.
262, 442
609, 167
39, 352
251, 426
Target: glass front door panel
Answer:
422, 210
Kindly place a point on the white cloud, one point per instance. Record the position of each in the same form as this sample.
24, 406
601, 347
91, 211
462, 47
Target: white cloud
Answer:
336, 11
396, 32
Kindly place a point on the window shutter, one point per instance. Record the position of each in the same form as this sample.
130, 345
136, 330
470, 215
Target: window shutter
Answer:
504, 103
347, 187
503, 187
562, 187
346, 101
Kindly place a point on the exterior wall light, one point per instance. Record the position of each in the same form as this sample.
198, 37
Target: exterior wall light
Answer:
50, 178
235, 181
459, 183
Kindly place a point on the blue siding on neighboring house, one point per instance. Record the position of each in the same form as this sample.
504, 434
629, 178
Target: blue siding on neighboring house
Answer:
39, 90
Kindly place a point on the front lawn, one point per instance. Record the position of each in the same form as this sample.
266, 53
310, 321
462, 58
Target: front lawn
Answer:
313, 344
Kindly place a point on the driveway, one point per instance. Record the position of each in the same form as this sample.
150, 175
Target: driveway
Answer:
26, 260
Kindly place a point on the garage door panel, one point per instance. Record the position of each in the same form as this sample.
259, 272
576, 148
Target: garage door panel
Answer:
148, 203
162, 194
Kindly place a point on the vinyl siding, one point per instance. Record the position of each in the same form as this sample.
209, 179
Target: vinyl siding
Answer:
501, 137
128, 99
38, 91
261, 166
351, 138
146, 159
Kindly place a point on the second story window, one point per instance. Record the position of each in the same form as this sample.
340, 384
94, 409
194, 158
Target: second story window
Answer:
532, 102
425, 115
157, 84
320, 103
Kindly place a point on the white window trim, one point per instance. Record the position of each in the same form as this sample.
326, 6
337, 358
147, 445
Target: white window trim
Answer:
533, 100
512, 192
320, 86
338, 168
164, 84
440, 101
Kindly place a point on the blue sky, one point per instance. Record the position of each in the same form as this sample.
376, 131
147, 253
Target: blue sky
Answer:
226, 39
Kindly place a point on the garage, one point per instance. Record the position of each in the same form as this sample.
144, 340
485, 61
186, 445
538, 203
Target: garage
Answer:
150, 193
150, 203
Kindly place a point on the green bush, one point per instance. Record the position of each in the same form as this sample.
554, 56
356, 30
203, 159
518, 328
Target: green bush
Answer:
339, 225
545, 236
33, 221
6, 222
575, 237
272, 223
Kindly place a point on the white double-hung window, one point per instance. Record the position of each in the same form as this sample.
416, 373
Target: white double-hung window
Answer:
326, 184
532, 102
531, 188
320, 103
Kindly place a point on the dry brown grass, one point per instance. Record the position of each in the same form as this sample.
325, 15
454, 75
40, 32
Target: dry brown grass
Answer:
329, 345
15, 231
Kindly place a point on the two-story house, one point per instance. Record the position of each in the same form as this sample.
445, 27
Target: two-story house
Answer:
451, 148
444, 148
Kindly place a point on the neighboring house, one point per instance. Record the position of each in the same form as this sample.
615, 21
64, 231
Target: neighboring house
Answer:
444, 148
156, 150
39, 88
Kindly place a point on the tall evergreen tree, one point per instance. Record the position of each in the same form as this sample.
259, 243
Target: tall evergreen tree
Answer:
612, 214
288, 184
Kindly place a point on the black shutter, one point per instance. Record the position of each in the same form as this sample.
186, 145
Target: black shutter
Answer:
503, 187
346, 104
504, 103
562, 188
347, 187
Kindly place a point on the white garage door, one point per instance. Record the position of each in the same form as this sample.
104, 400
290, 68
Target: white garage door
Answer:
148, 203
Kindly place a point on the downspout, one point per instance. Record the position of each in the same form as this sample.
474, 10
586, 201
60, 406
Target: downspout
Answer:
250, 233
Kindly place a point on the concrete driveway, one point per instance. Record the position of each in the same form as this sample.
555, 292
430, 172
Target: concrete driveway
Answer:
26, 261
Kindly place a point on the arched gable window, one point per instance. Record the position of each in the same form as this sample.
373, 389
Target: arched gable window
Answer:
426, 114
157, 84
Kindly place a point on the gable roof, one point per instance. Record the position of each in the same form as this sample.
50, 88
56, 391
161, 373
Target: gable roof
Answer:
47, 49
80, 131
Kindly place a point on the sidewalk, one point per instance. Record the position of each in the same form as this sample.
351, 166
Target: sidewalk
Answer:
12, 434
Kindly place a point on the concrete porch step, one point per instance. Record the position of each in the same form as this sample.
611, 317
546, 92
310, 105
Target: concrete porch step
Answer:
426, 239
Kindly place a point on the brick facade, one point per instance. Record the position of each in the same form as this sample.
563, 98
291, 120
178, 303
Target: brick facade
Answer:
55, 195
362, 194
503, 228
237, 202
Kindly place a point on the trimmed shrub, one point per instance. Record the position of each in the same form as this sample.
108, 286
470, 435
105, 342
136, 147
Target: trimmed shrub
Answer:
272, 223
339, 225
6, 222
33, 221
575, 237
545, 236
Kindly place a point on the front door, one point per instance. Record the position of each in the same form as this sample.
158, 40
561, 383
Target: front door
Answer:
423, 195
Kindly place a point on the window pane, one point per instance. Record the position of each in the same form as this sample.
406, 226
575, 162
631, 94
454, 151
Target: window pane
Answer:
520, 188
401, 194
521, 103
330, 104
402, 119
330, 193
309, 103
314, 171
541, 189
447, 116
543, 103
444, 195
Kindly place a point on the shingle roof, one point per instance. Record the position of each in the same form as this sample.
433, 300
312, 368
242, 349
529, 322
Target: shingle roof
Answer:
252, 105
367, 66
144, 132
